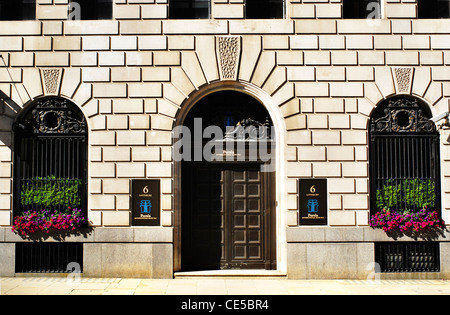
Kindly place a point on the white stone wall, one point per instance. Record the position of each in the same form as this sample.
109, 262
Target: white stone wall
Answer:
130, 76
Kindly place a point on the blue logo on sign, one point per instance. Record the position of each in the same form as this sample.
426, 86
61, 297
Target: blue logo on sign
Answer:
228, 121
313, 206
146, 206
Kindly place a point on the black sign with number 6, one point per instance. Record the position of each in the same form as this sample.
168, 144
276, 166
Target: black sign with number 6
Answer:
313, 201
145, 202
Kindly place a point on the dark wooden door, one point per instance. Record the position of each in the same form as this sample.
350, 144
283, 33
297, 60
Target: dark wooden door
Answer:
245, 213
226, 221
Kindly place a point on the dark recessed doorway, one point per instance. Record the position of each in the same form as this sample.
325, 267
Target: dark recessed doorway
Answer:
228, 207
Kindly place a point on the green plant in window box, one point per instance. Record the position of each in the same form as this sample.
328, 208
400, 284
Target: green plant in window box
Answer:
51, 191
408, 193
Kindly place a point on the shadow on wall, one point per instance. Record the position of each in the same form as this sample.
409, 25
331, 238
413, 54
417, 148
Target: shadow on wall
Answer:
8, 111
429, 235
60, 235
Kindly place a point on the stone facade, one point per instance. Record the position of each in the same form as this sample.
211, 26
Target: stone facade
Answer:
319, 75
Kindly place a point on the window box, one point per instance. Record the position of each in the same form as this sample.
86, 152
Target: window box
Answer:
31, 221
407, 221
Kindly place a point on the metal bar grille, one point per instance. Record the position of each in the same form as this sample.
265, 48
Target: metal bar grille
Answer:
50, 161
48, 257
50, 157
405, 172
408, 257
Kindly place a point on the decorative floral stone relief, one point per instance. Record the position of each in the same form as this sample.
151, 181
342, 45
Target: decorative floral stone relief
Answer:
228, 53
51, 80
403, 79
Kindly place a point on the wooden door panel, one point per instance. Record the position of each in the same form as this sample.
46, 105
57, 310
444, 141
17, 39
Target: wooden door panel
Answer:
224, 220
247, 241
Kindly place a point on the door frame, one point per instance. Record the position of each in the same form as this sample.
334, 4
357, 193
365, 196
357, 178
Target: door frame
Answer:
268, 203
279, 183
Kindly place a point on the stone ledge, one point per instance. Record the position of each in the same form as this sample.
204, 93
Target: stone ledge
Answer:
348, 234
195, 27
261, 27
99, 235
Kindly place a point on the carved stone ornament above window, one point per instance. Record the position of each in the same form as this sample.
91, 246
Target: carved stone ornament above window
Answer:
52, 80
403, 79
401, 115
228, 52
53, 116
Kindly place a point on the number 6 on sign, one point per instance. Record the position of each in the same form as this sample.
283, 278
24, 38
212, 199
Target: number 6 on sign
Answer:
312, 189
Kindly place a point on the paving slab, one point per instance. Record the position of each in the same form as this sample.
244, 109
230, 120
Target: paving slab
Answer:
217, 286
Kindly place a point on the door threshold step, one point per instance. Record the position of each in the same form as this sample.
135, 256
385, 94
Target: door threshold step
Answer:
265, 274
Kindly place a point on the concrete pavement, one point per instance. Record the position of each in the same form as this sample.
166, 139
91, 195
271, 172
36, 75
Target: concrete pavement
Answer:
73, 285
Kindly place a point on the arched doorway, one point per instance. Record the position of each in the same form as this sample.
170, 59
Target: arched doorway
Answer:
227, 184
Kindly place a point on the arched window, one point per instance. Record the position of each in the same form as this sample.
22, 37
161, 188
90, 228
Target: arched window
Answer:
50, 157
404, 156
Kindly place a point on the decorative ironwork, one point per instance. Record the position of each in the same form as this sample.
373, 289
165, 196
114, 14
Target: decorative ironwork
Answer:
51, 155
53, 116
407, 257
41, 257
403, 115
249, 129
404, 157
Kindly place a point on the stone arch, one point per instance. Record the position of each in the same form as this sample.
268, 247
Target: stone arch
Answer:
220, 60
279, 124
58, 82
411, 81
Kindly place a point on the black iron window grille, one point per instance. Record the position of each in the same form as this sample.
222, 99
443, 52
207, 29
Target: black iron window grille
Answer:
40, 257
407, 257
50, 158
17, 10
404, 157
189, 9
433, 9
264, 9
361, 9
